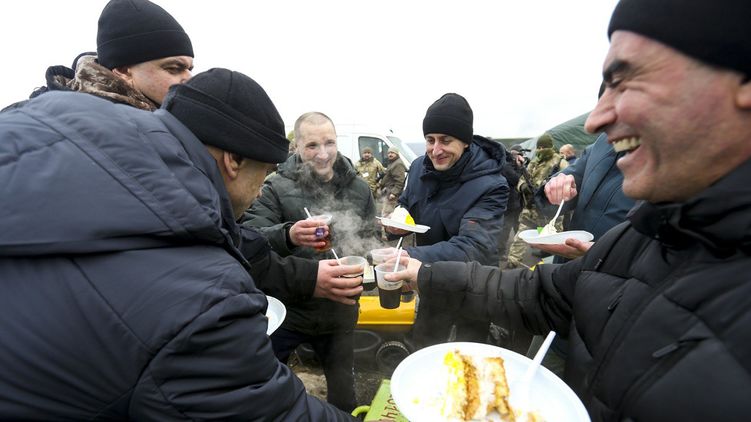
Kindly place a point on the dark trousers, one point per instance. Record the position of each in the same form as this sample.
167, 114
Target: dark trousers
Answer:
335, 352
433, 326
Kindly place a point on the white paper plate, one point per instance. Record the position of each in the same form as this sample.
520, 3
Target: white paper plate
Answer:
531, 236
418, 381
417, 228
276, 313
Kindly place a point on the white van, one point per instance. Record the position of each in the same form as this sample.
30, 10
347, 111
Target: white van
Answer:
352, 139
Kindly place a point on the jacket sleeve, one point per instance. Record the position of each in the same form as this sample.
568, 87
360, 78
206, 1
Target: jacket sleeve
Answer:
286, 278
221, 366
478, 235
576, 170
265, 215
535, 301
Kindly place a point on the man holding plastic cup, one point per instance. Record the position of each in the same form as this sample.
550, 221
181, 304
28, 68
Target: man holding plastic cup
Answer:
317, 180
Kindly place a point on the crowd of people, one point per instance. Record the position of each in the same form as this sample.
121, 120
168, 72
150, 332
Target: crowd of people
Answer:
145, 223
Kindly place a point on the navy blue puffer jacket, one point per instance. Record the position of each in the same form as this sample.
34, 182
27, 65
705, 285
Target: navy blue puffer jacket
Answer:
463, 205
123, 293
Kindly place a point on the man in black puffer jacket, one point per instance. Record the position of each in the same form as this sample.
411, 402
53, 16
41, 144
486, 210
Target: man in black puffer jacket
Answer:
131, 299
321, 180
657, 313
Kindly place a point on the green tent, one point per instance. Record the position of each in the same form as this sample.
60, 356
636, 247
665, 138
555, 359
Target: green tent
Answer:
569, 132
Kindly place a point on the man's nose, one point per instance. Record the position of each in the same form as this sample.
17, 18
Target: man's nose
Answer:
602, 115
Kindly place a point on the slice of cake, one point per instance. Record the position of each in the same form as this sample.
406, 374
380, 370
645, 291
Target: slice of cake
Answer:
475, 387
401, 215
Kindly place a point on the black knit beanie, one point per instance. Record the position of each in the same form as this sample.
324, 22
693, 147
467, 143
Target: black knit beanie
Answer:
137, 31
717, 32
232, 112
450, 115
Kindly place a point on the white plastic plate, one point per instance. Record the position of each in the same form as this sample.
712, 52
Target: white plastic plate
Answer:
418, 382
276, 312
531, 236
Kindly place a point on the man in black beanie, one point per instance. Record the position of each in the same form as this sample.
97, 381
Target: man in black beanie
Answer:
457, 190
657, 312
141, 51
133, 299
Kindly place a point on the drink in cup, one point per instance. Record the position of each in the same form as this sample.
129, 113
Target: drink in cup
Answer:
323, 219
378, 256
354, 260
388, 291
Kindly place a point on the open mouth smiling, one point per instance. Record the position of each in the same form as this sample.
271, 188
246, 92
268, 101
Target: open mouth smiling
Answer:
626, 144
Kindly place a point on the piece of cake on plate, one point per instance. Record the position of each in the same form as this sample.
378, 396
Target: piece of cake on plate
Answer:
401, 215
476, 386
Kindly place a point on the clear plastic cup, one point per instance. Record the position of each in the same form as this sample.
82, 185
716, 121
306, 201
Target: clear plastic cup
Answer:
354, 260
381, 255
389, 292
323, 219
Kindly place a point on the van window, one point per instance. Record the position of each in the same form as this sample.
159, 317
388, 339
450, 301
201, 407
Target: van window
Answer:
380, 149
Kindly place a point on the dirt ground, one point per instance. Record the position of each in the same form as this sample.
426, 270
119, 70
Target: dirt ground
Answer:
367, 380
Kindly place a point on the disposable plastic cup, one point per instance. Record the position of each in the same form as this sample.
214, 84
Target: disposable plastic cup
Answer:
354, 260
323, 219
381, 255
389, 292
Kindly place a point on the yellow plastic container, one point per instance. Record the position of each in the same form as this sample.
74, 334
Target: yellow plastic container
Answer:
373, 317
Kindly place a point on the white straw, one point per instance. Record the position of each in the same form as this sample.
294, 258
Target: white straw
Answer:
522, 389
336, 256
399, 243
307, 212
398, 255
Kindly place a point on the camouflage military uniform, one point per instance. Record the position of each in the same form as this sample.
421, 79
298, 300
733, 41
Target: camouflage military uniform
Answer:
369, 171
540, 168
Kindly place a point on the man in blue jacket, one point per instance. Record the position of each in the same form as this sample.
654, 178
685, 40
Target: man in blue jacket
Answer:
131, 299
457, 190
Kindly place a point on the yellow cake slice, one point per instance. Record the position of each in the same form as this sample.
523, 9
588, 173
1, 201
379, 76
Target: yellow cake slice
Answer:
401, 215
475, 387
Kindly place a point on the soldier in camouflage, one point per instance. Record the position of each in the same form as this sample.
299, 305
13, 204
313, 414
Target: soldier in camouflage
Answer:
545, 163
369, 169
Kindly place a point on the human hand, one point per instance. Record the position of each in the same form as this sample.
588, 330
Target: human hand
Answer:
330, 283
560, 188
409, 276
573, 248
303, 233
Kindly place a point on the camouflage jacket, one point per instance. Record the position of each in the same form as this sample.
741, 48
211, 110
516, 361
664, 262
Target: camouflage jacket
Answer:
370, 170
538, 172
92, 78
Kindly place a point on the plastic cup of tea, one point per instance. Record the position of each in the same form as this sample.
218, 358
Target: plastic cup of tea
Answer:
381, 255
354, 260
389, 292
323, 220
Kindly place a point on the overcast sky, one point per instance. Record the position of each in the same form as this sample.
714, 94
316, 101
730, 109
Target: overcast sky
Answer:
523, 65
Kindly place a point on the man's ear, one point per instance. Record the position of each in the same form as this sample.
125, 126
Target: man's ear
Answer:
123, 72
231, 163
743, 96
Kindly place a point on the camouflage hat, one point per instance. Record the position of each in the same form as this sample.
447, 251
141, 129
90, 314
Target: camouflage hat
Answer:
367, 149
545, 141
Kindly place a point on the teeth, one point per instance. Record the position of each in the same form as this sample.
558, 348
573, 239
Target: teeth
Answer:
626, 144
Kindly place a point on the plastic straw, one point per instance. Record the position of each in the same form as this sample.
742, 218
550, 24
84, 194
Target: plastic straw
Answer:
307, 212
398, 255
336, 256
399, 243
522, 389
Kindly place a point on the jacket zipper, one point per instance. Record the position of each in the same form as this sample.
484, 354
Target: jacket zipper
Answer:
625, 330
669, 356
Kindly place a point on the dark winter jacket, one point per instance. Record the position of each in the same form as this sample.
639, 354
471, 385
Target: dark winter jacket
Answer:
347, 197
393, 178
657, 313
123, 293
600, 203
463, 206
